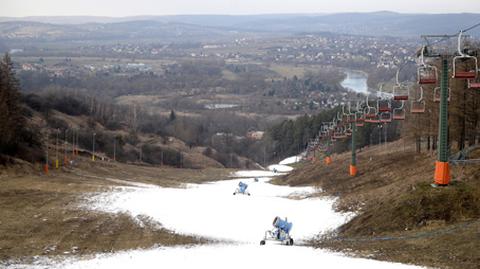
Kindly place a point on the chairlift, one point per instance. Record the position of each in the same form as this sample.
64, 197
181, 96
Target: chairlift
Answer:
474, 84
426, 74
400, 90
370, 112
437, 94
351, 118
385, 117
359, 119
399, 113
375, 119
339, 135
348, 129
469, 67
383, 104
344, 115
418, 105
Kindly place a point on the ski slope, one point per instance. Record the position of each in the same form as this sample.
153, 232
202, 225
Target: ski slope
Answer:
238, 222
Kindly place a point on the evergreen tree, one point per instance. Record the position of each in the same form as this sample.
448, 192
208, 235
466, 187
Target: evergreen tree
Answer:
11, 115
172, 116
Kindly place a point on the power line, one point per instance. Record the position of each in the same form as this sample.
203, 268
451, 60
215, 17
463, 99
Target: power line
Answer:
471, 27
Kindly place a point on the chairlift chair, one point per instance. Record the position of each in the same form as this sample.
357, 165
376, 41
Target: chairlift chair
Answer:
375, 119
339, 133
383, 105
465, 72
385, 117
348, 131
436, 94
426, 74
474, 84
400, 92
418, 105
399, 113
470, 63
359, 119
370, 112
351, 118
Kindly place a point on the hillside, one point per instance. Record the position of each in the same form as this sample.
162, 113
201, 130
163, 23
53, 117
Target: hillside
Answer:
108, 32
189, 26
62, 124
400, 217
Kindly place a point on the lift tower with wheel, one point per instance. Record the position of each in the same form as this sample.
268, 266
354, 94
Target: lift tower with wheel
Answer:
442, 174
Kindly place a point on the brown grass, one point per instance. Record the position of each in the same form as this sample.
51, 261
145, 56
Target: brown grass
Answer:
40, 215
393, 198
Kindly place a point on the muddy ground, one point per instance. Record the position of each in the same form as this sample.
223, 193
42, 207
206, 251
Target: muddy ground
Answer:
42, 215
400, 217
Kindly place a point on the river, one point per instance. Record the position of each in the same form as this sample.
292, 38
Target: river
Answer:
355, 81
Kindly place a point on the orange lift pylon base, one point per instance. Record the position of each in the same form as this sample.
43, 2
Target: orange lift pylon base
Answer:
442, 173
328, 160
45, 169
353, 170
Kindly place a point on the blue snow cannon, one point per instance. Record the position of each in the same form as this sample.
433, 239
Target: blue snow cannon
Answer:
283, 225
281, 232
242, 189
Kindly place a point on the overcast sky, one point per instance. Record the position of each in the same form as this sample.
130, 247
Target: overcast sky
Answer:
118, 8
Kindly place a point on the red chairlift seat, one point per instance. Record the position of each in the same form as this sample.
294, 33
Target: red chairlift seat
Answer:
437, 92
339, 135
427, 75
399, 114
386, 117
383, 105
400, 93
474, 84
469, 71
375, 119
351, 118
359, 119
418, 107
370, 113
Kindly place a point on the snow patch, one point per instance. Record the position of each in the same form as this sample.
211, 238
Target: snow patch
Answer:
280, 168
291, 160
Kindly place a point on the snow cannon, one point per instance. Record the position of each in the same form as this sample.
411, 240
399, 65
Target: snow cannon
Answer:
241, 189
281, 232
283, 225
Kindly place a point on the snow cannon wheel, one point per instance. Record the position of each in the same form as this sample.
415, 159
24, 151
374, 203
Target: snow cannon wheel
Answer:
262, 242
290, 242
248, 194
234, 193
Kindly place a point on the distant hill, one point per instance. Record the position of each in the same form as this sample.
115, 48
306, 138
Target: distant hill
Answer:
375, 23
129, 30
